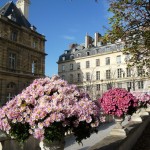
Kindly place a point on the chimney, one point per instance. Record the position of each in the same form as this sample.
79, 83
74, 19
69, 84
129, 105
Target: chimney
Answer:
97, 36
23, 5
88, 41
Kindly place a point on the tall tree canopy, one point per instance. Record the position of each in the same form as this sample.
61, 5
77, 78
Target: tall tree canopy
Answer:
131, 23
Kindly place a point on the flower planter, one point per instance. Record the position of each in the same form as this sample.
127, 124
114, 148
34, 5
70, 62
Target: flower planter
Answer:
46, 110
118, 102
56, 145
148, 108
118, 130
143, 112
136, 116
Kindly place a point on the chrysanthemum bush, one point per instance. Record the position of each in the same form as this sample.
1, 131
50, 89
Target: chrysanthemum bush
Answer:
47, 109
143, 99
118, 102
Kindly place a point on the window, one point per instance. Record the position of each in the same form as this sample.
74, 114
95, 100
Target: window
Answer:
119, 72
127, 57
140, 85
120, 47
71, 56
63, 58
96, 51
107, 60
88, 53
129, 85
11, 87
140, 71
13, 36
88, 88
97, 62
10, 96
87, 64
118, 59
35, 43
109, 86
128, 70
12, 61
33, 67
78, 55
63, 68
98, 87
119, 85
108, 74
78, 77
71, 78
88, 76
63, 77
78, 65
71, 66
97, 75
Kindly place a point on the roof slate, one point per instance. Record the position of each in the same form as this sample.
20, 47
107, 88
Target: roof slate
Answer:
11, 9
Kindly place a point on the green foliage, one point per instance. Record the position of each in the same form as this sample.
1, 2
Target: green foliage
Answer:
131, 23
20, 131
55, 132
83, 131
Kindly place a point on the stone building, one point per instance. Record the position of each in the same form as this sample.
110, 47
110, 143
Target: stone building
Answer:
22, 50
96, 67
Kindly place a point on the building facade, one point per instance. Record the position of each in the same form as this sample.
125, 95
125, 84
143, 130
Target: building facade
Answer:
22, 50
97, 67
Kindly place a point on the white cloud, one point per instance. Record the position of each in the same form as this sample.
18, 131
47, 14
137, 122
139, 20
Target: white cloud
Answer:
67, 37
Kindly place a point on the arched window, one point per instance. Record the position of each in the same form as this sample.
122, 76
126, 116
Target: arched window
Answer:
11, 85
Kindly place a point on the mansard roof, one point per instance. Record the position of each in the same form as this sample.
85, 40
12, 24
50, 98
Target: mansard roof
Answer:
10, 11
81, 51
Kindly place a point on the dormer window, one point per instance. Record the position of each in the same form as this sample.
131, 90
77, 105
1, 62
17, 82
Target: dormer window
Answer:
71, 56
119, 47
66, 52
88, 53
12, 17
96, 51
79, 54
63, 58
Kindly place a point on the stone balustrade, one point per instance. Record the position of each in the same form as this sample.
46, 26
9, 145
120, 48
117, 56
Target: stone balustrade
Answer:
113, 142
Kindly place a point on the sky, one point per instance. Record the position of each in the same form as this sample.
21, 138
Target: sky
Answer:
64, 22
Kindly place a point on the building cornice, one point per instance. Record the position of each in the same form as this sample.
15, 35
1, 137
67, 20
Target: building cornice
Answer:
22, 45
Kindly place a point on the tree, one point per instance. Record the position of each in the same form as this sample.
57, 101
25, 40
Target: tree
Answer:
131, 23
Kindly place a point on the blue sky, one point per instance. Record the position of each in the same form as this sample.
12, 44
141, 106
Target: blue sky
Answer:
64, 22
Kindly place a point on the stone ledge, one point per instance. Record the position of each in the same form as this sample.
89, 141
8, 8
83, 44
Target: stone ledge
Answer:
135, 130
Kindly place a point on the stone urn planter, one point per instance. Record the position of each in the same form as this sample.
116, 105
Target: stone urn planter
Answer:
136, 116
56, 145
143, 112
118, 130
118, 102
148, 108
